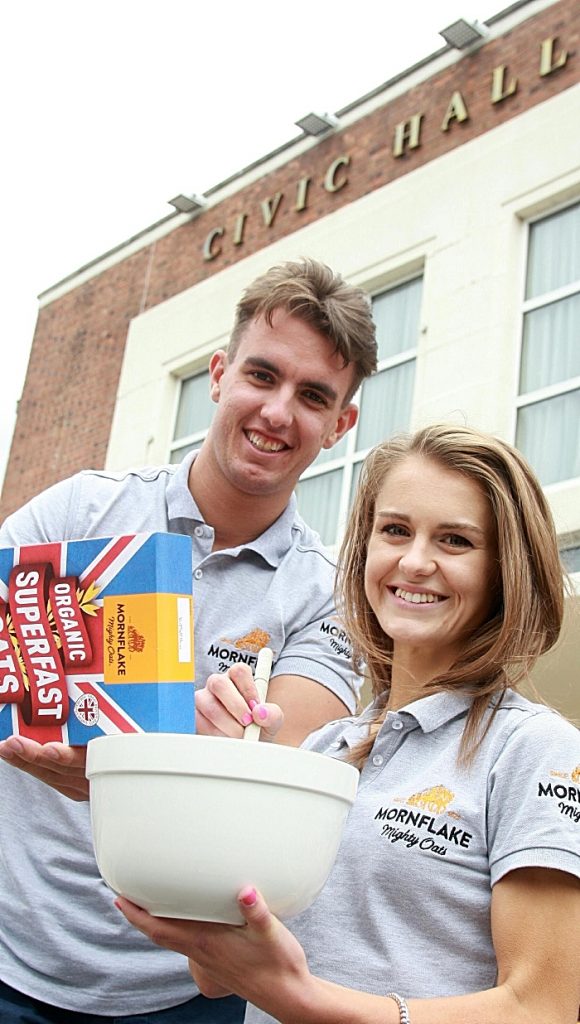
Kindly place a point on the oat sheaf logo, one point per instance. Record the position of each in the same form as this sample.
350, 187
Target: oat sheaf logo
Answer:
567, 792
253, 641
435, 799
136, 642
434, 834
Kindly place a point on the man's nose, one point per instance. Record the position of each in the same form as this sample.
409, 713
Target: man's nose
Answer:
277, 409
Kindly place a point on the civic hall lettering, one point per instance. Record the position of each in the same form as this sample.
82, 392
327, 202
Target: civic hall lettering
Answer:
406, 137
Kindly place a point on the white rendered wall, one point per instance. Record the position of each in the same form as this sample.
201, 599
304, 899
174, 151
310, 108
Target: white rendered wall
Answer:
462, 218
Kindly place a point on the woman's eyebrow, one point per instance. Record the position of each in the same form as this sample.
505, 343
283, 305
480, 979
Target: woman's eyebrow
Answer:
457, 526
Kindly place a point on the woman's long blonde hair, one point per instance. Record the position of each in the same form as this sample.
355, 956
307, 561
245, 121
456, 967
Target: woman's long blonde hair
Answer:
527, 616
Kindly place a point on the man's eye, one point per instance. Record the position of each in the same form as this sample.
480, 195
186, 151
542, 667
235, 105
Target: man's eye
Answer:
262, 375
314, 396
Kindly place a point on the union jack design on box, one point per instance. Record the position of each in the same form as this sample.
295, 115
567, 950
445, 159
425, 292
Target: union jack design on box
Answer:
96, 637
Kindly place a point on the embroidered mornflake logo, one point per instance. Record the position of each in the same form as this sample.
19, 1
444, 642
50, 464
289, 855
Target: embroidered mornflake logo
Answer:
243, 651
422, 822
566, 793
339, 641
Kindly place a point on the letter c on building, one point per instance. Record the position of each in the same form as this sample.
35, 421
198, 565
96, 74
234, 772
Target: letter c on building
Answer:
209, 252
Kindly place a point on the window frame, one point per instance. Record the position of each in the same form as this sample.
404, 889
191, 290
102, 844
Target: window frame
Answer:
195, 439
354, 456
548, 391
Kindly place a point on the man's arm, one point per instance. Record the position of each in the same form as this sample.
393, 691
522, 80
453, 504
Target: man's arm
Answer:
307, 705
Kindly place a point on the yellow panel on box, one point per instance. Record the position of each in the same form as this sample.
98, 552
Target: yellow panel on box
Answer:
148, 638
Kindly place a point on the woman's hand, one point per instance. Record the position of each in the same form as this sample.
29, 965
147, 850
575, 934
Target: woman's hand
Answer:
261, 962
59, 766
230, 701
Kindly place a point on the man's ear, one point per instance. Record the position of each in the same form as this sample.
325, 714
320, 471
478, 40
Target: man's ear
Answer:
346, 420
217, 365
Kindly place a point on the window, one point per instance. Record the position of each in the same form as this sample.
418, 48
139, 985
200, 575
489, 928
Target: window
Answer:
548, 406
194, 413
326, 489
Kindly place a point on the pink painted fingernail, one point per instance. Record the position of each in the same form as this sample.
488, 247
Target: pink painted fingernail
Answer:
249, 898
253, 704
262, 713
247, 718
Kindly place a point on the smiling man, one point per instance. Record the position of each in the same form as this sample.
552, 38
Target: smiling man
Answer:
302, 342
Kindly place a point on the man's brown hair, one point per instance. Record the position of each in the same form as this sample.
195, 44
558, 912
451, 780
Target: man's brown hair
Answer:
312, 292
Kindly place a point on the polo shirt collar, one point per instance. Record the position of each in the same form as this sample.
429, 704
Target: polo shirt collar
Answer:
430, 713
437, 709
271, 545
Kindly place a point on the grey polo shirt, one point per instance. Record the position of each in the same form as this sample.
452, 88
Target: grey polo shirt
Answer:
407, 906
275, 591
61, 938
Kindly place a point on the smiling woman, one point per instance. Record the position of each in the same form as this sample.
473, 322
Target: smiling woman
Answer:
430, 570
457, 883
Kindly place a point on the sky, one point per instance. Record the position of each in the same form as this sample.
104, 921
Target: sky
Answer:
110, 109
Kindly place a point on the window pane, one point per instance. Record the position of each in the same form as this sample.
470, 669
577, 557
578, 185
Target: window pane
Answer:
318, 503
356, 470
548, 434
195, 406
554, 253
551, 344
178, 453
385, 406
338, 451
396, 314
571, 559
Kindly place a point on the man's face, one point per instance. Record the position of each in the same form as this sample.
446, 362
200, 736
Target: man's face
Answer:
280, 400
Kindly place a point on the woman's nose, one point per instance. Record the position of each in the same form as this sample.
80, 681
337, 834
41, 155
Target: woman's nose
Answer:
417, 559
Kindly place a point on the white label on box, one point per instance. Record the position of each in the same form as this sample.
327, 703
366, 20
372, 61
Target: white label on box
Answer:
183, 629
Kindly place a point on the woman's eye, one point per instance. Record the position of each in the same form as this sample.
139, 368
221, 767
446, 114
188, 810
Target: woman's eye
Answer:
395, 530
456, 541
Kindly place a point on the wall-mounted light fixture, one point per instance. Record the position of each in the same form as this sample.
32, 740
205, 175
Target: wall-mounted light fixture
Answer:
317, 124
188, 204
462, 33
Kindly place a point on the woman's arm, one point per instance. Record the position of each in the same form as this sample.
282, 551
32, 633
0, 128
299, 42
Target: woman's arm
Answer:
536, 934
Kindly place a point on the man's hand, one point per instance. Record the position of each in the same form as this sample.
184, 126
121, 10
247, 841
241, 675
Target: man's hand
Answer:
59, 766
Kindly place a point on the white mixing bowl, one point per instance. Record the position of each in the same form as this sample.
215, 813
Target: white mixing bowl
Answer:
182, 823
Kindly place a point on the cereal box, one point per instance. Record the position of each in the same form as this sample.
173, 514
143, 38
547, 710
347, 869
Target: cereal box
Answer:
96, 637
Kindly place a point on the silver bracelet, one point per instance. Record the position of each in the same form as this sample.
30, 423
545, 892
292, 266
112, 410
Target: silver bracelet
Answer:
403, 1008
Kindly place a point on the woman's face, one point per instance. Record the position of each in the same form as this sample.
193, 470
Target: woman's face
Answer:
432, 570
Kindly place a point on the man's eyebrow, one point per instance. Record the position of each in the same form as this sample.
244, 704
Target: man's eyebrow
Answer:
258, 362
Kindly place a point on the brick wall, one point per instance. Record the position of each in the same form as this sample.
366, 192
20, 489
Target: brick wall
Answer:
65, 413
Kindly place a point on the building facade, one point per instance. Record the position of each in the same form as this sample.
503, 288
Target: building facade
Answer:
451, 194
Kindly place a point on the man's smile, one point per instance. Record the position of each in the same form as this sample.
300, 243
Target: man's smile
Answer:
264, 443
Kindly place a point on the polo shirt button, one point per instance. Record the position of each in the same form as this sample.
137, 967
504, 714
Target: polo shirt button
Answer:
198, 531
397, 724
198, 574
335, 743
377, 760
